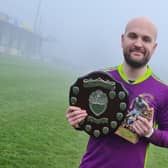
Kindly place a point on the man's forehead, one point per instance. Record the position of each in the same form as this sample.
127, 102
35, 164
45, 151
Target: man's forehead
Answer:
140, 32
143, 33
141, 25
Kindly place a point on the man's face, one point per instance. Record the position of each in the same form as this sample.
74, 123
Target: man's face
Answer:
138, 44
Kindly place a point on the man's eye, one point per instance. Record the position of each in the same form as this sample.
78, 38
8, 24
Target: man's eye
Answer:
146, 39
132, 36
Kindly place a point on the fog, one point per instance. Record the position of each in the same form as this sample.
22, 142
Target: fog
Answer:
86, 33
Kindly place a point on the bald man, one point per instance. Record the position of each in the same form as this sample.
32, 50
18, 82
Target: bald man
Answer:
111, 151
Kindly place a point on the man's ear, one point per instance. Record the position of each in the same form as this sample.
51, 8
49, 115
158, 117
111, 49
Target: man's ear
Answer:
122, 40
154, 47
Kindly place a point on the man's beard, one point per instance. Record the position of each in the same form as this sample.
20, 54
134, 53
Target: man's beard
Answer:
136, 63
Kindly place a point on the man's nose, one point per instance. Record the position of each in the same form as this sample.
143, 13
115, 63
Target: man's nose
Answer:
138, 42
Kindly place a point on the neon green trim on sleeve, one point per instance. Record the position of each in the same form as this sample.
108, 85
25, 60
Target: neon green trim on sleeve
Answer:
155, 125
139, 80
147, 155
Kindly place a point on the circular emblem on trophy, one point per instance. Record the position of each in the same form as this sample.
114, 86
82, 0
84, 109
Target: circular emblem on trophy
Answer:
98, 102
104, 99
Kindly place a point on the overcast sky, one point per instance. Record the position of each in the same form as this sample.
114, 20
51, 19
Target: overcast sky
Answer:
88, 32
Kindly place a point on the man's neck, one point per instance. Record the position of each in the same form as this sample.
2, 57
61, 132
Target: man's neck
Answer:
133, 73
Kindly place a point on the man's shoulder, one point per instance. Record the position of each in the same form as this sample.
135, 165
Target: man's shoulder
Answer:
110, 69
160, 81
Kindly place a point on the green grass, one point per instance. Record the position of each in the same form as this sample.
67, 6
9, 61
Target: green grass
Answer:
33, 130
158, 157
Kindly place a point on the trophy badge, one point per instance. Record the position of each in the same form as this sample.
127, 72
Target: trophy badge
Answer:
140, 107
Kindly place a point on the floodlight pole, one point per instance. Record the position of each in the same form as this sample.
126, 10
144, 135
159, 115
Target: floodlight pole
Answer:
37, 15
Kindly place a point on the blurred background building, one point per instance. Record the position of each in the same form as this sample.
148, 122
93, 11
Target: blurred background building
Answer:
18, 38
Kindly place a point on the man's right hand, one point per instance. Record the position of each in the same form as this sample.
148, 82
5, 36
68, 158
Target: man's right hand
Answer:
75, 115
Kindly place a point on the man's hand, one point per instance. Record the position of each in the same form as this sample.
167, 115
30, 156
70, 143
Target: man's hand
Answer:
142, 126
75, 115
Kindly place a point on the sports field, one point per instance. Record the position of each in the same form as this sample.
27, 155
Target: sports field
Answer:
33, 129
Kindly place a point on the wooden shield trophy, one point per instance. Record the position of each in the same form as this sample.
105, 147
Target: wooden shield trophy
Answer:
104, 99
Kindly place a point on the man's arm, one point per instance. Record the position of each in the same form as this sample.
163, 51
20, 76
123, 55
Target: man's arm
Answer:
157, 136
160, 134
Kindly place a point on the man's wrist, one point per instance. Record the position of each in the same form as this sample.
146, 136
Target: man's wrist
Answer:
149, 134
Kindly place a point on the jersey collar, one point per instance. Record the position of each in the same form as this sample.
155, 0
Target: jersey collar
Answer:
139, 80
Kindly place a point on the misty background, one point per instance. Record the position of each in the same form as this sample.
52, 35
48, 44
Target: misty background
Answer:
85, 34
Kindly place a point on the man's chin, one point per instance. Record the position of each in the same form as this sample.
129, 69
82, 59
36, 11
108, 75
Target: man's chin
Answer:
136, 60
135, 63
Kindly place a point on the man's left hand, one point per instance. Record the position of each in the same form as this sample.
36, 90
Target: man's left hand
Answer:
142, 126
